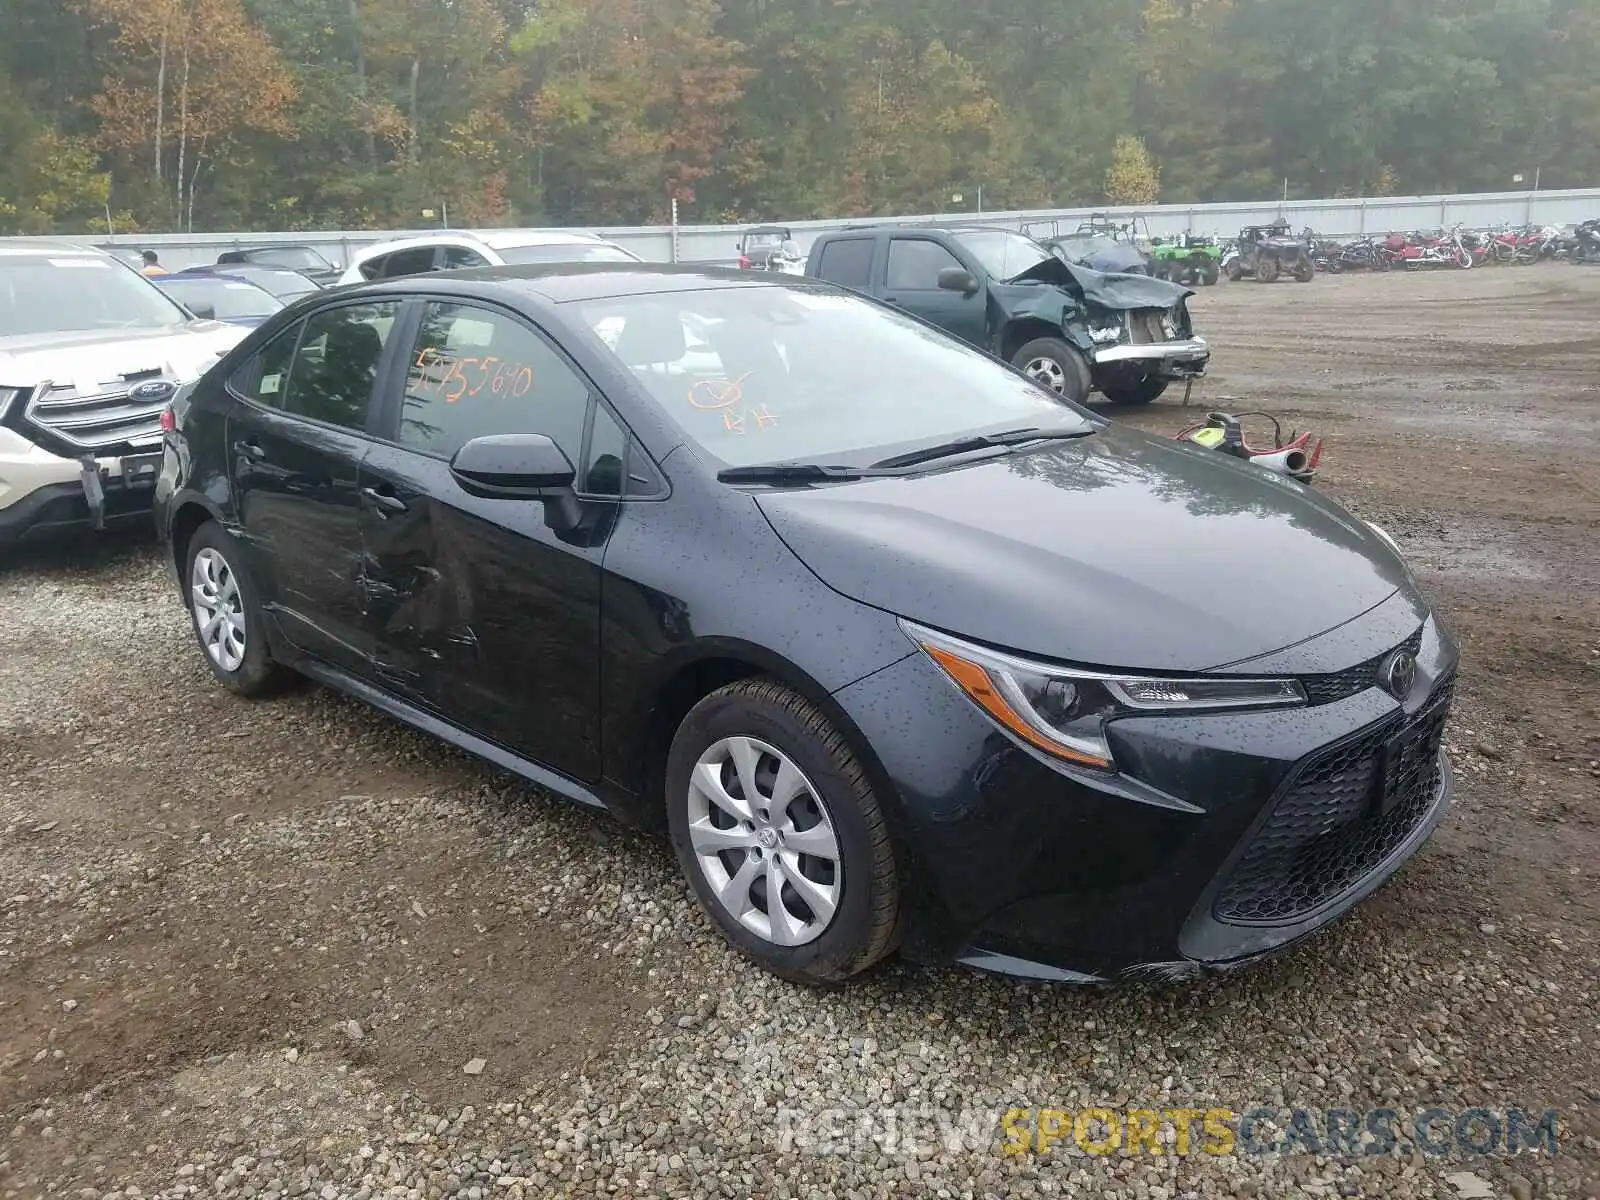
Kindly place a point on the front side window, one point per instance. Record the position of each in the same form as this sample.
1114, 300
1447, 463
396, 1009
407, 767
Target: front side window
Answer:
336, 364
915, 263
456, 257
476, 372
761, 375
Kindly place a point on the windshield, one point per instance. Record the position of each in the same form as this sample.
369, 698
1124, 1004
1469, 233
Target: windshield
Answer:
1080, 247
232, 299
48, 294
571, 252
291, 256
1004, 254
764, 375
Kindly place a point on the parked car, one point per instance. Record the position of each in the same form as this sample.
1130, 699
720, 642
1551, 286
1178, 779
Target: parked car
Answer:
90, 354
770, 248
924, 657
285, 284
308, 260
219, 298
454, 251
1072, 329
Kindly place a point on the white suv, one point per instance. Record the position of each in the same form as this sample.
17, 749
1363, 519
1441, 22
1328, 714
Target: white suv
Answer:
451, 251
91, 353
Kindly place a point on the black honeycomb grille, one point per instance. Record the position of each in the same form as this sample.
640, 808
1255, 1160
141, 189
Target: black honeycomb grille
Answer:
1346, 811
1338, 685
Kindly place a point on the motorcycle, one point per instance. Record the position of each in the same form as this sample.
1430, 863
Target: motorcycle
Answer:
1295, 457
1429, 250
1361, 254
1585, 245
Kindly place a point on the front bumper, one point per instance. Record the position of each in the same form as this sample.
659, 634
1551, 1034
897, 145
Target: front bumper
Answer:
1022, 866
43, 495
1167, 360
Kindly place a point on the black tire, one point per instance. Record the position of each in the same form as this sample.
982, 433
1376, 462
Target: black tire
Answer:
1266, 268
1234, 272
1142, 391
1210, 274
1073, 372
1304, 272
255, 674
865, 923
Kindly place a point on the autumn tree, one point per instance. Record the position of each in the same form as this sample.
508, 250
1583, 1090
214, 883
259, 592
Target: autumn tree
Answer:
1133, 177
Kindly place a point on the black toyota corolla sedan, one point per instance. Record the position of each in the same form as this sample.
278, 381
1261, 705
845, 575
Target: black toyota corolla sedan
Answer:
900, 650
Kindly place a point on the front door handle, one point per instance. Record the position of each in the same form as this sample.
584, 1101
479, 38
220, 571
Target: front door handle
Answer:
250, 450
383, 503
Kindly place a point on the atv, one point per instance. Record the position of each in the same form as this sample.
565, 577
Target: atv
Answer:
1190, 259
1267, 251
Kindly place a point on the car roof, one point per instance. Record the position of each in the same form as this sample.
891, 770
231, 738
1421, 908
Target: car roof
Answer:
560, 283
56, 246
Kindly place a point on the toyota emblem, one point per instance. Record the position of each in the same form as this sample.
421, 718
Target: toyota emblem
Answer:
1398, 673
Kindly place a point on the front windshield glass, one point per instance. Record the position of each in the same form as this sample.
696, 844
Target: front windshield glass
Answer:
1004, 254
766, 375
574, 252
52, 294
231, 299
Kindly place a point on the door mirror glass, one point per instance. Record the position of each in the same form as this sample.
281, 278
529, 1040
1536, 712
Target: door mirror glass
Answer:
203, 312
511, 465
957, 279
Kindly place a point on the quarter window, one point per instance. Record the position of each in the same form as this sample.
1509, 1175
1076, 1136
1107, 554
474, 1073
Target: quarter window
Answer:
915, 263
337, 363
264, 378
475, 372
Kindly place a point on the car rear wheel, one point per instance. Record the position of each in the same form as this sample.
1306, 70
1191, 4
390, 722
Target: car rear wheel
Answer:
1266, 268
1304, 271
227, 615
780, 834
1054, 364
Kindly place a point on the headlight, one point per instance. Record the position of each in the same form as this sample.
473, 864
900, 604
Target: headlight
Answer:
7, 395
1387, 540
1064, 711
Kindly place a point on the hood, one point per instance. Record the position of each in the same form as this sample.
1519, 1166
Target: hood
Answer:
90, 358
1107, 289
1117, 550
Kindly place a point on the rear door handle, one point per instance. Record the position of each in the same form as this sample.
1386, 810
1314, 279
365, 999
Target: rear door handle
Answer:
250, 450
382, 502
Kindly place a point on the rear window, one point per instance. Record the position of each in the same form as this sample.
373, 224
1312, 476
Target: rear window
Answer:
847, 262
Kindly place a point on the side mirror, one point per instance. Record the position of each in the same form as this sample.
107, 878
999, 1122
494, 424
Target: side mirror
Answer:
203, 312
957, 279
512, 466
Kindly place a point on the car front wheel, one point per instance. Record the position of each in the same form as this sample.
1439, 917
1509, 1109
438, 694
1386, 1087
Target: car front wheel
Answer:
227, 615
1054, 364
780, 834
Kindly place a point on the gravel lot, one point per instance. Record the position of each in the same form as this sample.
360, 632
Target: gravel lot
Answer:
293, 949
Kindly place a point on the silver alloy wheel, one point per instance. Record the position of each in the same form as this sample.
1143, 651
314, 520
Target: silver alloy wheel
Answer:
218, 608
1048, 372
765, 841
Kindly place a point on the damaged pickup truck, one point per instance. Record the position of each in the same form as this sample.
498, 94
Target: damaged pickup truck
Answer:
1072, 329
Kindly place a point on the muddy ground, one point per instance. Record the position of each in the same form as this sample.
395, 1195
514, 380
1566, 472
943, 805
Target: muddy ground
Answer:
247, 949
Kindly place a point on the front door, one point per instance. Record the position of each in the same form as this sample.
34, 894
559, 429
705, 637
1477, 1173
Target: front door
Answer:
296, 434
480, 609
911, 282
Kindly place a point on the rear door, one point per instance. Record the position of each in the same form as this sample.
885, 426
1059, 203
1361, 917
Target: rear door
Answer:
847, 260
911, 282
478, 608
296, 433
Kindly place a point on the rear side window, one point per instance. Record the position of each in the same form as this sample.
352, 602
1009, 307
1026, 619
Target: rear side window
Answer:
336, 364
847, 262
373, 267
915, 263
476, 372
264, 377
407, 262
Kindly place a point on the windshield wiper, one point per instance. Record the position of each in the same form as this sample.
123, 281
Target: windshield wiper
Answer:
982, 441
793, 473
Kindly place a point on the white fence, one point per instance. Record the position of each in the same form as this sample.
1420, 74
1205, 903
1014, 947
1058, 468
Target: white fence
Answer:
718, 243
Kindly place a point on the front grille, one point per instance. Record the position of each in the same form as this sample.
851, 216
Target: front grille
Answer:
99, 421
1340, 685
1342, 815
1145, 326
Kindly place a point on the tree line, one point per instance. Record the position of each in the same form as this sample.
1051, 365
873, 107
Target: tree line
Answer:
161, 115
